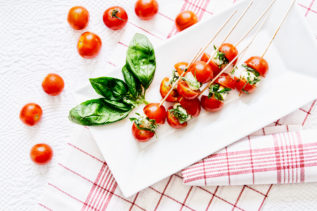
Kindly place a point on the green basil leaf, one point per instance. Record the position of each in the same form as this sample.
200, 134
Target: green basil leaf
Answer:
121, 105
132, 83
96, 112
141, 59
110, 88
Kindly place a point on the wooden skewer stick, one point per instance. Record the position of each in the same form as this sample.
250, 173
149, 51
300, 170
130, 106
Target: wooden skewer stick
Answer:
248, 32
235, 58
198, 54
256, 22
278, 28
232, 29
250, 43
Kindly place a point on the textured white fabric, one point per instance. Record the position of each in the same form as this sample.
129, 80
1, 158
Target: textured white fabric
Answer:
35, 39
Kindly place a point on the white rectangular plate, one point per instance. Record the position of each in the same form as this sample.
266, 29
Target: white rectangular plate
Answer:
290, 83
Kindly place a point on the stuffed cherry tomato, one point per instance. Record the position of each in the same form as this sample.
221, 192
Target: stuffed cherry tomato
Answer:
115, 18
211, 104
214, 101
225, 80
180, 67
185, 19
177, 116
258, 64
146, 9
53, 84
156, 112
143, 128
215, 68
41, 153
201, 71
31, 114
242, 85
191, 106
186, 91
78, 17
165, 88
142, 135
89, 45
246, 78
229, 51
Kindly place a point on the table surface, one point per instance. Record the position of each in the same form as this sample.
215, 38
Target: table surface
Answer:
35, 40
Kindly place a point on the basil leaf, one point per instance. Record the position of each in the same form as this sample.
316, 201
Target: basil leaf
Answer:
133, 84
141, 59
96, 112
121, 105
110, 88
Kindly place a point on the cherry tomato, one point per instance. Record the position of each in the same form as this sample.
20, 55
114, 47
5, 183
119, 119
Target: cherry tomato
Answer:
89, 45
191, 106
165, 88
53, 84
156, 112
259, 64
180, 67
230, 51
31, 113
78, 17
41, 153
244, 86
173, 121
146, 9
215, 68
211, 104
201, 71
225, 80
186, 92
115, 18
185, 19
141, 135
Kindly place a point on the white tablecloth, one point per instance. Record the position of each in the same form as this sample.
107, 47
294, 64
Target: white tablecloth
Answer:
35, 39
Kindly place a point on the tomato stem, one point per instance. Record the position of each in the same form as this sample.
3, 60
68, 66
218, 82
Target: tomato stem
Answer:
114, 14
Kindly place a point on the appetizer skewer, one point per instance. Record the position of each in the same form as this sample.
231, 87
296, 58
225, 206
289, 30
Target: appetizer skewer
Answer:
181, 112
144, 127
251, 72
220, 59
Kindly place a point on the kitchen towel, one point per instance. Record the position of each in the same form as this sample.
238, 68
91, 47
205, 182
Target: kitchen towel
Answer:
280, 158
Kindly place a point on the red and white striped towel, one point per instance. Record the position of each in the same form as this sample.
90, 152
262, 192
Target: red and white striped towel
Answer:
272, 159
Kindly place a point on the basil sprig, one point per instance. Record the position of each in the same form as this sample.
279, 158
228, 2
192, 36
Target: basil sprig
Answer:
119, 97
215, 91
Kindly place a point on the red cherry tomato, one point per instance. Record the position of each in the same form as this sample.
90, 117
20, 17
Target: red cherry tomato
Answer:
186, 92
230, 51
141, 135
173, 121
53, 84
78, 17
180, 67
31, 113
225, 80
211, 104
89, 45
185, 19
156, 112
115, 18
165, 88
146, 9
41, 153
191, 106
201, 71
215, 68
244, 86
259, 64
